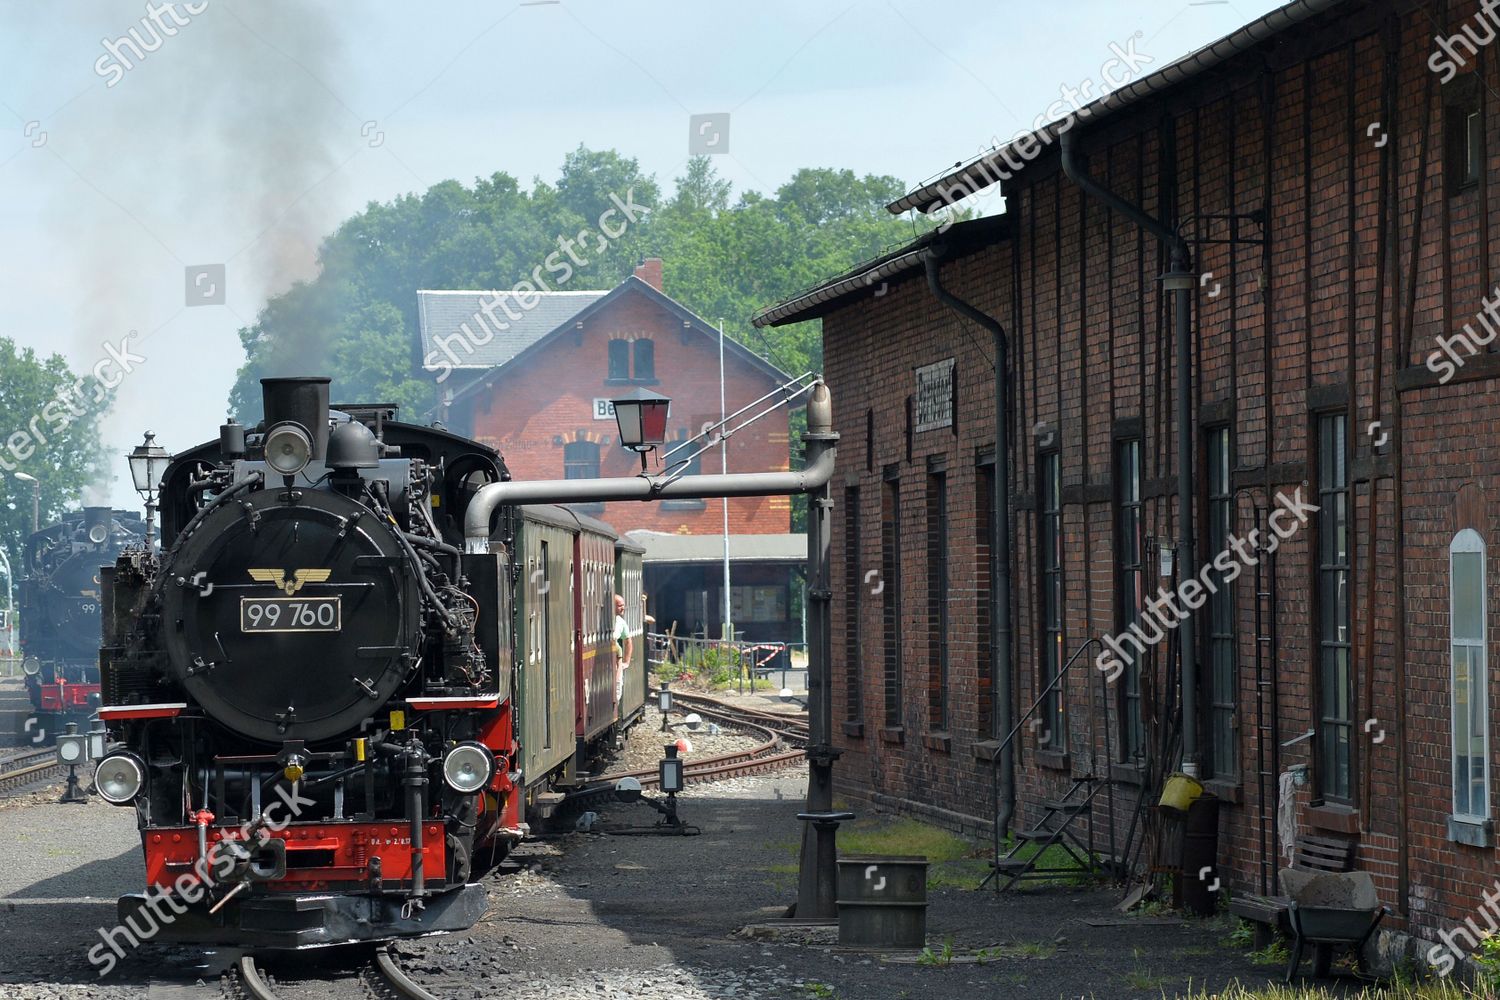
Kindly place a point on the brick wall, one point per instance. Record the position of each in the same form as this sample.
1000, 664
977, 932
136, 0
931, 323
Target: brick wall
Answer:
536, 406
1358, 259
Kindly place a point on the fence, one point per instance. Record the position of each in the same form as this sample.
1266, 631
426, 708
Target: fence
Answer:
716, 660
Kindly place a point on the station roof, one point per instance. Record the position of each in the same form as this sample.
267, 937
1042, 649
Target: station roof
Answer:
664, 547
442, 315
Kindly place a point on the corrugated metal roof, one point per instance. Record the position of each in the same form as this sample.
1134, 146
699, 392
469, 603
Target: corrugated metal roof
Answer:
458, 333
662, 547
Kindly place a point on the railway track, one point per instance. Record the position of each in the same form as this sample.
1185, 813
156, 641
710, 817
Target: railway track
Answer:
382, 978
22, 768
784, 735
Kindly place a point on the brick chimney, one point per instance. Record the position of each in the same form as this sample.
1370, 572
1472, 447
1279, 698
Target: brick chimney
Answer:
649, 271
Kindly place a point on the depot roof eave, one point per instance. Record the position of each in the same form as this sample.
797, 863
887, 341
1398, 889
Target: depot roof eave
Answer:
873, 277
966, 179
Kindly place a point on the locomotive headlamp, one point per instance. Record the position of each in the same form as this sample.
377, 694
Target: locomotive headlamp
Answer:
98, 533
288, 448
468, 767
31, 665
119, 778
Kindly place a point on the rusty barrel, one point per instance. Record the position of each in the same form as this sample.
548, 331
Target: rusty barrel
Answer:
882, 901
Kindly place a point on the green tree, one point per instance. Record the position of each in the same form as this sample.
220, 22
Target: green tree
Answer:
723, 258
49, 429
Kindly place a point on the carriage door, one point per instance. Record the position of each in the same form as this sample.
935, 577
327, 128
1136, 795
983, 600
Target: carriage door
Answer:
546, 643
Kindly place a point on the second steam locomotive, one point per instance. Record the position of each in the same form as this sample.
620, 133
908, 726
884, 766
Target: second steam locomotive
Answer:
60, 614
330, 718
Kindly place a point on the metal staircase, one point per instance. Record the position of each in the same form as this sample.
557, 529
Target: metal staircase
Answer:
1056, 846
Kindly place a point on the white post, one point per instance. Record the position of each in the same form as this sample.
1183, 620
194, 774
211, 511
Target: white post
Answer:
728, 627
10, 614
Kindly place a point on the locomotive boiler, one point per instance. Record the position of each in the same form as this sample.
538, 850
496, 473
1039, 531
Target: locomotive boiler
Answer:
310, 688
60, 613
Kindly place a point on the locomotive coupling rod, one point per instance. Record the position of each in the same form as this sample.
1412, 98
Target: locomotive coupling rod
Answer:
743, 484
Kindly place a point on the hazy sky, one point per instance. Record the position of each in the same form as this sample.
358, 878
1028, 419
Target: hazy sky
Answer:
253, 130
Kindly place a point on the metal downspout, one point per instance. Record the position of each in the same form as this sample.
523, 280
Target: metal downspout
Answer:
1000, 533
1180, 262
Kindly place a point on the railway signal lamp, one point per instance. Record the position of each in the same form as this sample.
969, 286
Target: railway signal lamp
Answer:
97, 737
119, 778
641, 416
628, 790
664, 703
468, 767
669, 771
72, 750
147, 463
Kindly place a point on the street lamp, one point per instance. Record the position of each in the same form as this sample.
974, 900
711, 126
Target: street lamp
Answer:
36, 499
147, 463
641, 416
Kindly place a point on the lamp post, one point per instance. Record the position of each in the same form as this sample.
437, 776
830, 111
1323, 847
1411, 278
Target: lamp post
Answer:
641, 416
36, 499
10, 610
147, 463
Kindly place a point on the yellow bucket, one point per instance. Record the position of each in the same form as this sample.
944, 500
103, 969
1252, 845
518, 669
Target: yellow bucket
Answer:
1180, 791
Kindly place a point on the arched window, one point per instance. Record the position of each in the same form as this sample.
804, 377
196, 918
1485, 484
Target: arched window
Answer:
581, 460
1467, 638
619, 359
645, 359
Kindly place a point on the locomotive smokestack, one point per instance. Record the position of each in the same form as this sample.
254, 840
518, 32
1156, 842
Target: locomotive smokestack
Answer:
303, 400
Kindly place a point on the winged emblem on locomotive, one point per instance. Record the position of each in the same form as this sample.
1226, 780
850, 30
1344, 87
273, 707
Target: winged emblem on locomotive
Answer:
277, 578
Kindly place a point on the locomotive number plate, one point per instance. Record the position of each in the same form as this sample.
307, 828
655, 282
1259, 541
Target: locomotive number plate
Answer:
290, 614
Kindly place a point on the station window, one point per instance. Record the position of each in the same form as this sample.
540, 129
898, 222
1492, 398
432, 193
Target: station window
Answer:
984, 492
1050, 600
644, 361
1130, 585
937, 600
1223, 758
632, 360
890, 590
1468, 635
680, 463
619, 360
581, 461
853, 588
1335, 683
1463, 133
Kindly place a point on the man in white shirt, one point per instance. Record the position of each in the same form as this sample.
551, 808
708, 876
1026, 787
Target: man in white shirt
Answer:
624, 647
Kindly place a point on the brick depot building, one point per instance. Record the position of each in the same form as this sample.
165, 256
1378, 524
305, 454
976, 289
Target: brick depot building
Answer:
1330, 256
533, 377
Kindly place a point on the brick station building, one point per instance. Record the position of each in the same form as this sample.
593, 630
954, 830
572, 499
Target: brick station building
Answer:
538, 388
1332, 182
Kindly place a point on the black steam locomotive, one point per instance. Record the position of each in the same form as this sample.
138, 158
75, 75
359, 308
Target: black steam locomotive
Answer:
60, 614
319, 706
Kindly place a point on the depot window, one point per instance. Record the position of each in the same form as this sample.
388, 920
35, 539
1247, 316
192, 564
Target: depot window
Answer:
1467, 638
1335, 682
